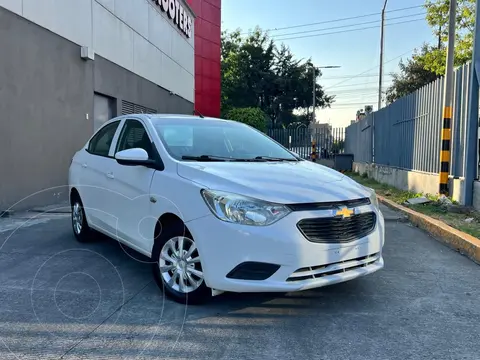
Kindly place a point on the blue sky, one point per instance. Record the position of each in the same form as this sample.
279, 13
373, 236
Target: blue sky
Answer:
355, 51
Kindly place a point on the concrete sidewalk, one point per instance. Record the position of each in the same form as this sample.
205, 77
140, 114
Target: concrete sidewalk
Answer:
453, 238
62, 299
59, 208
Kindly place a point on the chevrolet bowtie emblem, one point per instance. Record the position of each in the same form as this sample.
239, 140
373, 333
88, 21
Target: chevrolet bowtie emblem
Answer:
344, 212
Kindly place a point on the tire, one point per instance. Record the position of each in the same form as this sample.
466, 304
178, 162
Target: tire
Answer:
187, 286
81, 230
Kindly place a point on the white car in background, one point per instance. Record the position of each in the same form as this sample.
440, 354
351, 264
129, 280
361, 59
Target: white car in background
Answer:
219, 206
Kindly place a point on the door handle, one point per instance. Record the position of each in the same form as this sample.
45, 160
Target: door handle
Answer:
110, 175
84, 165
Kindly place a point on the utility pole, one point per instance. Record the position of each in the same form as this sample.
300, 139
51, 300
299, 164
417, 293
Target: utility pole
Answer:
471, 145
439, 46
447, 103
380, 78
314, 93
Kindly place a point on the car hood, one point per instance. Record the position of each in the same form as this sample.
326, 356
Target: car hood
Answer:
280, 182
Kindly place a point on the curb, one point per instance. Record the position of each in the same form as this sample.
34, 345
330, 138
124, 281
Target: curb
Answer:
61, 208
464, 243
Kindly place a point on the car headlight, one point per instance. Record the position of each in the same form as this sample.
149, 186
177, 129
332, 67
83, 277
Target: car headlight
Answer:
242, 209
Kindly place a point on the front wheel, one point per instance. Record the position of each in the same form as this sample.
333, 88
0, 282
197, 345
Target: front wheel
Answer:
177, 267
79, 221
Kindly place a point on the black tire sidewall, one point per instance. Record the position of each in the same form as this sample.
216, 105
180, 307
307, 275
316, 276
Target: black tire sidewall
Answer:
84, 235
198, 296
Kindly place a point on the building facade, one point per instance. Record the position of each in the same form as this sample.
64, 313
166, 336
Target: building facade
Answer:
66, 66
207, 56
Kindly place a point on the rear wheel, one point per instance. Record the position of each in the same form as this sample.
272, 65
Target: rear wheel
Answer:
177, 267
81, 230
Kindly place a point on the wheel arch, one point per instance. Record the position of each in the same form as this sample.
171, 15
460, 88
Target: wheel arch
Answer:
168, 220
74, 194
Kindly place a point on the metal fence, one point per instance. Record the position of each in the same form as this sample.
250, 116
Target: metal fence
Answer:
359, 140
407, 133
328, 140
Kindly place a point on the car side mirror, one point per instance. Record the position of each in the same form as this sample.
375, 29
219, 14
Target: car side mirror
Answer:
133, 157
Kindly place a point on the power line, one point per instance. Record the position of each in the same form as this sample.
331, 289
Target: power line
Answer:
355, 92
346, 26
349, 76
352, 104
345, 31
359, 84
353, 97
341, 19
373, 68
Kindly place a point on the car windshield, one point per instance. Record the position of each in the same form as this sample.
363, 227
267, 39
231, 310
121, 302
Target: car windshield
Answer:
217, 140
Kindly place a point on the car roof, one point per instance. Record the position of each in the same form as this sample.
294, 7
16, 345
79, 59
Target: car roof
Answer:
159, 118
182, 116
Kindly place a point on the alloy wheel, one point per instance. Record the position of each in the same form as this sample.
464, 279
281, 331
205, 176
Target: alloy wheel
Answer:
180, 265
77, 218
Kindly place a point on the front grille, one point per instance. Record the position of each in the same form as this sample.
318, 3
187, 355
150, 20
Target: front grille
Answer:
338, 229
329, 205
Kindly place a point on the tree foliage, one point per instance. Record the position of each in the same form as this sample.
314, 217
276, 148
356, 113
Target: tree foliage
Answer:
256, 73
437, 17
411, 77
429, 63
252, 116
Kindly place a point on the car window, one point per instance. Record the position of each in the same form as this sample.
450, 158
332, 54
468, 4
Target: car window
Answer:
183, 137
134, 135
101, 142
178, 136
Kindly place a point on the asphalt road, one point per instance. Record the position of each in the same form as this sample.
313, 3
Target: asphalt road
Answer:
61, 299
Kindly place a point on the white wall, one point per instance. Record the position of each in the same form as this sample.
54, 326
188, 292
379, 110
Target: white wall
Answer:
134, 34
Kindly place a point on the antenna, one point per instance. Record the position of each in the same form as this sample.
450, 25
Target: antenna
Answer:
195, 111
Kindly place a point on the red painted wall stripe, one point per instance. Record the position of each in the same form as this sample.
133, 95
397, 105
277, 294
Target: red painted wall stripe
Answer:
207, 56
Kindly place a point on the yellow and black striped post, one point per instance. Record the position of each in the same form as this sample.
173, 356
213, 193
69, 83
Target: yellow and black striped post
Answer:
314, 151
445, 150
447, 102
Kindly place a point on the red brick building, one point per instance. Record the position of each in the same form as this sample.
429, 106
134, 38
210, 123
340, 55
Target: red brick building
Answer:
207, 56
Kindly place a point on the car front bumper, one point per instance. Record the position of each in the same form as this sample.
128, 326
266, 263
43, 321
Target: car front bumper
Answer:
301, 264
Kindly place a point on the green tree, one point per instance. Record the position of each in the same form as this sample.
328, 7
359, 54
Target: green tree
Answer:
252, 116
246, 65
437, 17
412, 76
429, 63
257, 73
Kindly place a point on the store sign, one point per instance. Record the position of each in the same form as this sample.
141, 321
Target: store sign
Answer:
178, 14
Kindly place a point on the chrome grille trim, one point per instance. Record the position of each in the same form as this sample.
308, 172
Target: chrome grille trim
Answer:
315, 272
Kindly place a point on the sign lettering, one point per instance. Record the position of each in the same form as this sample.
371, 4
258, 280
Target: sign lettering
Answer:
177, 13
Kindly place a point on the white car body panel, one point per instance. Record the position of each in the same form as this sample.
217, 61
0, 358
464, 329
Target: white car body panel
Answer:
278, 245
279, 182
128, 204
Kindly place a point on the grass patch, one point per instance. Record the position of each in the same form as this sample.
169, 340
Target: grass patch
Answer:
453, 215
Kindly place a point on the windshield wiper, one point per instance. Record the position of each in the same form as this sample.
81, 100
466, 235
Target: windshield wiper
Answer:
225, 158
270, 158
211, 158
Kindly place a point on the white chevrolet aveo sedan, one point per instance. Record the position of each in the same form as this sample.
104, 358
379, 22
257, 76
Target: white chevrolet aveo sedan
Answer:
219, 206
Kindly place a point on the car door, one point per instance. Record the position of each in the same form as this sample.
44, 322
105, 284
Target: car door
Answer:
130, 185
94, 189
